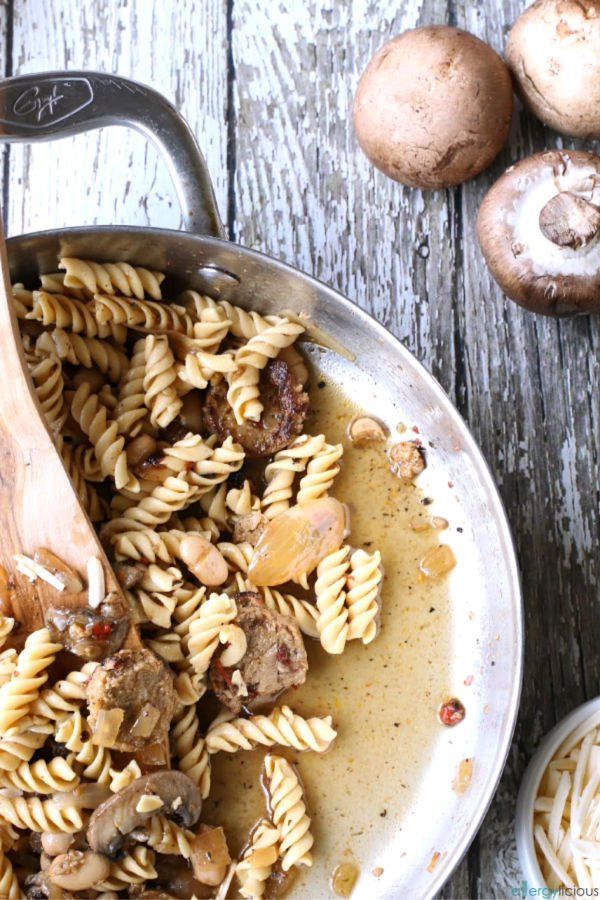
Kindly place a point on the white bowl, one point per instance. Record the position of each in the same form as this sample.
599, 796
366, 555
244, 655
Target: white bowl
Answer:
529, 788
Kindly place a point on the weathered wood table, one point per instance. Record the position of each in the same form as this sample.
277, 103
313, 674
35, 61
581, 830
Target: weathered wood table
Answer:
267, 88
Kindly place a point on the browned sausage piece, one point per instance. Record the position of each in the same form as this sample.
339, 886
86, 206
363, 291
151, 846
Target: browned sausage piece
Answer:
275, 657
285, 404
139, 683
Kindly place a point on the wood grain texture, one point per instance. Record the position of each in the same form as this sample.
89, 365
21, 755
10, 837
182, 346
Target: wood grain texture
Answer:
268, 89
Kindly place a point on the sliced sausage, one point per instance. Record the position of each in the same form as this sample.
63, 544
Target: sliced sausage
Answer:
275, 657
139, 683
286, 406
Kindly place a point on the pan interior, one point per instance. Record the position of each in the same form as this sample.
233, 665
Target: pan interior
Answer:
387, 798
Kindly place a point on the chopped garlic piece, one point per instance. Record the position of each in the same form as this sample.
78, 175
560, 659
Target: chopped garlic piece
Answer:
234, 637
176, 803
149, 803
239, 682
96, 585
33, 570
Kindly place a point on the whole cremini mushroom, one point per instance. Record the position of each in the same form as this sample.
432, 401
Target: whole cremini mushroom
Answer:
433, 107
539, 230
553, 52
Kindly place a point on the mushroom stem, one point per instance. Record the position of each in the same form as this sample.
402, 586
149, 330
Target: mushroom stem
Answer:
569, 220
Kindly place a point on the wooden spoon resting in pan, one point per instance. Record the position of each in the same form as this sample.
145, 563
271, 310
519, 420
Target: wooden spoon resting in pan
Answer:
39, 506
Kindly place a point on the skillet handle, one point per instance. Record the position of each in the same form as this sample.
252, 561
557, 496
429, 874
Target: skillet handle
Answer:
49, 105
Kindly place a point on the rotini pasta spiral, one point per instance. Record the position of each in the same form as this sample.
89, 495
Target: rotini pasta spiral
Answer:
6, 626
282, 727
9, 883
131, 410
79, 350
218, 610
71, 314
320, 473
66, 696
165, 836
250, 359
92, 417
120, 778
40, 815
362, 583
41, 777
191, 748
160, 395
286, 799
258, 860
88, 497
20, 742
111, 278
281, 472
174, 494
159, 317
332, 623
21, 691
133, 868
49, 386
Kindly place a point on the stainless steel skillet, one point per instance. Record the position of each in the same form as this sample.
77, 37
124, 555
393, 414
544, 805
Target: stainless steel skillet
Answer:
419, 842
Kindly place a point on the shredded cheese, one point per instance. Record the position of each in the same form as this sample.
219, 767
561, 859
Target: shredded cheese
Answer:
566, 812
149, 803
96, 584
30, 568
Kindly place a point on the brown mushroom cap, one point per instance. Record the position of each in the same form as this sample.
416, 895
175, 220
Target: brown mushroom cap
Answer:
114, 819
433, 106
553, 52
539, 231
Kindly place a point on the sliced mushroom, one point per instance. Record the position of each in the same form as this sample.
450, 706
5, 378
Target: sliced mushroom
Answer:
363, 429
539, 230
89, 633
77, 870
118, 816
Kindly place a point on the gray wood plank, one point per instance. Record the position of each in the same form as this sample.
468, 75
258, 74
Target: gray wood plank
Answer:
115, 176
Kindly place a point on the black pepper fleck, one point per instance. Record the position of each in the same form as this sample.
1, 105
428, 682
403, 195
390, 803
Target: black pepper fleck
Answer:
426, 501
321, 384
460, 531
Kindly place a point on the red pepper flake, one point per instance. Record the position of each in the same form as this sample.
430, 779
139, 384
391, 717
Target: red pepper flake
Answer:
189, 465
451, 713
223, 673
450, 484
433, 861
468, 680
283, 655
15, 673
145, 560
456, 448
415, 429
101, 630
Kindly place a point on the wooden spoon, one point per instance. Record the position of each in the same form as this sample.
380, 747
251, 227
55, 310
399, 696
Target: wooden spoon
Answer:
38, 503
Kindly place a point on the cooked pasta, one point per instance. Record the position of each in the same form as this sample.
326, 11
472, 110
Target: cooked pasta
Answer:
154, 469
320, 473
108, 309
92, 417
216, 611
160, 395
281, 726
80, 350
191, 749
133, 868
286, 799
362, 590
17, 695
9, 884
332, 623
131, 409
39, 815
258, 860
111, 278
41, 777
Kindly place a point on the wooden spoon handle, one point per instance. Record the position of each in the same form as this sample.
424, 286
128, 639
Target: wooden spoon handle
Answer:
39, 505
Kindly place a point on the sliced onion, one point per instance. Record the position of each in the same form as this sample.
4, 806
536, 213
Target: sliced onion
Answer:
107, 726
295, 541
209, 855
65, 574
84, 796
146, 721
151, 755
